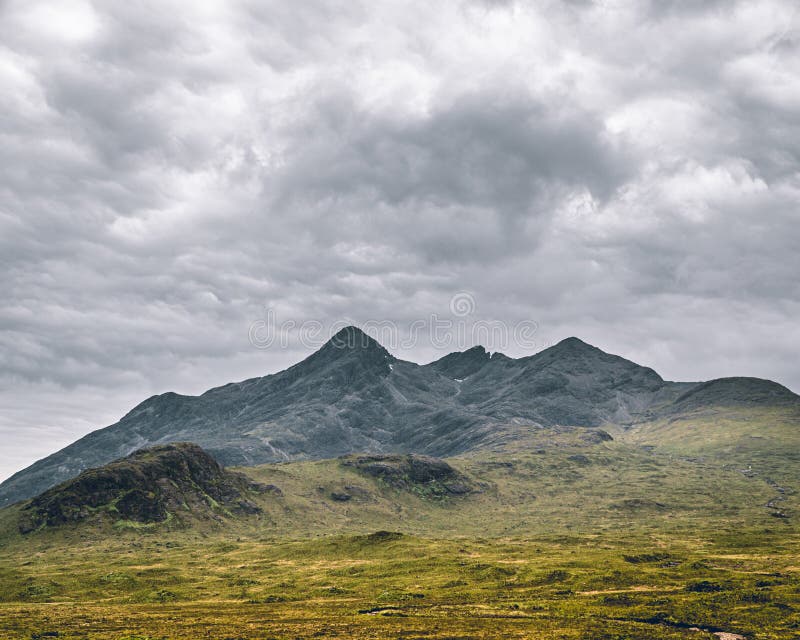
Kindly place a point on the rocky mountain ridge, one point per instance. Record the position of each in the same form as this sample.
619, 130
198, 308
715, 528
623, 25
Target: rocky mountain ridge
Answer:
353, 396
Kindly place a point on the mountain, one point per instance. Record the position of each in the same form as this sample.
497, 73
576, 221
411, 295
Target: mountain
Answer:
571, 383
173, 481
354, 396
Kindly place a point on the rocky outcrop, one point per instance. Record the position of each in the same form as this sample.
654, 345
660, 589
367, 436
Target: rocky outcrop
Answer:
149, 486
423, 475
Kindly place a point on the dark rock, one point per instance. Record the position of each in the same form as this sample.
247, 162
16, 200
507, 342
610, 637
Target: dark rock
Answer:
260, 487
704, 586
458, 488
248, 507
637, 504
380, 537
498, 464
426, 469
596, 436
460, 365
141, 506
434, 477
646, 557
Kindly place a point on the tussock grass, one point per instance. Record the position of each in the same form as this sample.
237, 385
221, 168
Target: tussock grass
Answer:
623, 542
380, 586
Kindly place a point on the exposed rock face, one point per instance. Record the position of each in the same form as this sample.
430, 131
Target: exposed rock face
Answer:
408, 472
572, 383
146, 487
459, 365
353, 396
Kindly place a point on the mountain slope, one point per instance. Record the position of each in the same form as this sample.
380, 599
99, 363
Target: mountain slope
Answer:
353, 396
564, 478
570, 383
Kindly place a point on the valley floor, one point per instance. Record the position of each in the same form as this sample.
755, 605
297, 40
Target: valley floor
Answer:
389, 585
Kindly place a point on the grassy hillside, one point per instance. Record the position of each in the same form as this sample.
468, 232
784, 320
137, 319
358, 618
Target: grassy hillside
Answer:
760, 442
561, 480
564, 481
674, 525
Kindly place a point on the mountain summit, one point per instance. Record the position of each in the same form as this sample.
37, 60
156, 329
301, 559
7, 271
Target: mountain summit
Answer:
352, 346
352, 395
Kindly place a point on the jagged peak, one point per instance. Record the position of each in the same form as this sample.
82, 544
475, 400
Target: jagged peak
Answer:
477, 349
461, 364
567, 348
574, 353
353, 341
349, 344
575, 344
352, 337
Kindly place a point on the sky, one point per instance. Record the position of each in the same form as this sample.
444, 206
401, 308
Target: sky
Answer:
198, 192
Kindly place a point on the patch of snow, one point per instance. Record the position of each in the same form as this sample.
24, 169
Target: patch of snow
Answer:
459, 379
391, 367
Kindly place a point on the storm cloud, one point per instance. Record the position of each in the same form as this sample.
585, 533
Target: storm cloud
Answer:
627, 172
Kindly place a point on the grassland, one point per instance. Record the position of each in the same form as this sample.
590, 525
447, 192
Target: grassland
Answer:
395, 586
567, 536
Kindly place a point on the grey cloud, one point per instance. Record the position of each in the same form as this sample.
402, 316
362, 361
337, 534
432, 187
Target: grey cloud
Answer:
682, 8
625, 172
483, 149
492, 165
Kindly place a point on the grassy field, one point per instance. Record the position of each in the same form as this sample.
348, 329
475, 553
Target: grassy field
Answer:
567, 536
388, 585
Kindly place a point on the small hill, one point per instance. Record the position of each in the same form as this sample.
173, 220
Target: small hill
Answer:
421, 474
732, 392
156, 484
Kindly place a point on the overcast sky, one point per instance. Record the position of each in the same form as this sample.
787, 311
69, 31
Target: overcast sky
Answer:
627, 172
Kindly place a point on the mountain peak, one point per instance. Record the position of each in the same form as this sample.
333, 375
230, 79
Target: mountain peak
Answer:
568, 349
461, 364
574, 343
351, 337
349, 346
